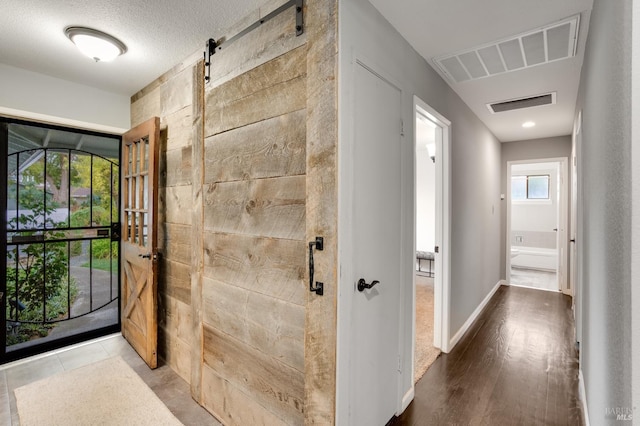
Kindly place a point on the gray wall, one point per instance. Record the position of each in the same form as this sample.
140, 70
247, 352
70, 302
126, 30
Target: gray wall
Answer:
475, 162
532, 149
604, 240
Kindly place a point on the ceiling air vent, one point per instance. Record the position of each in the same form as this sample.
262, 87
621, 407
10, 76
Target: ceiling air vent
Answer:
551, 43
528, 102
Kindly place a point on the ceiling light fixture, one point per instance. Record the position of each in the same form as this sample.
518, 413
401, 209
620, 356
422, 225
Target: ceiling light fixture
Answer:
95, 44
528, 124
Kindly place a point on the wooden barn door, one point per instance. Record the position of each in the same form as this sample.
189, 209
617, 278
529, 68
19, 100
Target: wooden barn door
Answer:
255, 250
139, 239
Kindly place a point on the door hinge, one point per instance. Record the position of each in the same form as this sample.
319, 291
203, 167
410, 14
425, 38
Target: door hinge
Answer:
436, 249
401, 127
399, 364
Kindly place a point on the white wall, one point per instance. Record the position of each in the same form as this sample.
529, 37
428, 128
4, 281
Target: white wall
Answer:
30, 95
425, 190
475, 174
605, 234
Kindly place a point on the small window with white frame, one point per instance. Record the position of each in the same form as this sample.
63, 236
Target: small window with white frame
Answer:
530, 187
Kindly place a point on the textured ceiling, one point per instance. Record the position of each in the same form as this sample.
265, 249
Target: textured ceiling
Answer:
161, 33
158, 34
439, 27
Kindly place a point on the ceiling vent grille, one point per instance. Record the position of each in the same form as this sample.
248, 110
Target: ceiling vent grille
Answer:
528, 102
547, 44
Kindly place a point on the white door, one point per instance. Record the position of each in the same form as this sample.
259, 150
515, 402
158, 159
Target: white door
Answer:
376, 222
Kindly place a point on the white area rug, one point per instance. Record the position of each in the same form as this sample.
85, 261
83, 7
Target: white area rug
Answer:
107, 392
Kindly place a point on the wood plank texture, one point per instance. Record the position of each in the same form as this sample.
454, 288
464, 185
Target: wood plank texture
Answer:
197, 231
269, 266
178, 126
174, 201
175, 242
270, 148
322, 209
264, 207
175, 280
272, 326
177, 92
516, 365
232, 406
172, 98
146, 107
270, 383
265, 43
175, 167
254, 196
273, 89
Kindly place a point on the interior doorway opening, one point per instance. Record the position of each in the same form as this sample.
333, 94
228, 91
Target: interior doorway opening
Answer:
431, 275
60, 202
427, 133
537, 224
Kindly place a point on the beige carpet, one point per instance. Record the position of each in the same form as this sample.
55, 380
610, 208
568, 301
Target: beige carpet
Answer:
107, 392
425, 352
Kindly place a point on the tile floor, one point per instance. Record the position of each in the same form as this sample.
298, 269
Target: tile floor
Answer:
167, 385
533, 278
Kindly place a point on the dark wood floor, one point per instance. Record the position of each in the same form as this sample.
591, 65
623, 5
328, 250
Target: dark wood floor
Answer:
517, 365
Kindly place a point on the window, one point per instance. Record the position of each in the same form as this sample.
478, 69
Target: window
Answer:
531, 187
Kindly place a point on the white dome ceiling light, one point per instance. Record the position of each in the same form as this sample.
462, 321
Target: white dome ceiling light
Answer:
95, 44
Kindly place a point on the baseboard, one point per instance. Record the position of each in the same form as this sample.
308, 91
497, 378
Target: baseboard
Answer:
503, 282
582, 392
406, 399
456, 338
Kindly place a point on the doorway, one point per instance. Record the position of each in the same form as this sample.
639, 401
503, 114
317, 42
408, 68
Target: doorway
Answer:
60, 201
428, 135
432, 133
537, 224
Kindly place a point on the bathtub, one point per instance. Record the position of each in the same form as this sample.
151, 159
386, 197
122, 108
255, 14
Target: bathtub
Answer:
534, 258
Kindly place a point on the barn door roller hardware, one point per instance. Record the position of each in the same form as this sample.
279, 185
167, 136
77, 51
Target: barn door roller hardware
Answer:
319, 287
213, 45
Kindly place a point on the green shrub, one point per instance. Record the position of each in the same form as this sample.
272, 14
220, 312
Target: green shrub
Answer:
102, 248
82, 217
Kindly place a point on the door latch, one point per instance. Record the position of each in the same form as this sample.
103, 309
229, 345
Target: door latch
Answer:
115, 231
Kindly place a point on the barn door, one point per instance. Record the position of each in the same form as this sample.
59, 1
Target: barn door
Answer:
139, 239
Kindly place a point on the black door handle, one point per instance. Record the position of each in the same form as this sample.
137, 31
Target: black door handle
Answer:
362, 284
145, 256
319, 287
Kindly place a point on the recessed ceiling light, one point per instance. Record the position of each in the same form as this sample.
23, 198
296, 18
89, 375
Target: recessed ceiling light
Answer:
528, 124
95, 44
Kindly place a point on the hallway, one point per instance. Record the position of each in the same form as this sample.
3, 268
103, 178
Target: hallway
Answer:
516, 365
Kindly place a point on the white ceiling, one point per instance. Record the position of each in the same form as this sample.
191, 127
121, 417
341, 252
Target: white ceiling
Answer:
161, 33
158, 33
439, 27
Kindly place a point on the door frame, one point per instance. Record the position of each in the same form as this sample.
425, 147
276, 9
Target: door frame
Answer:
18, 117
442, 281
574, 226
562, 220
